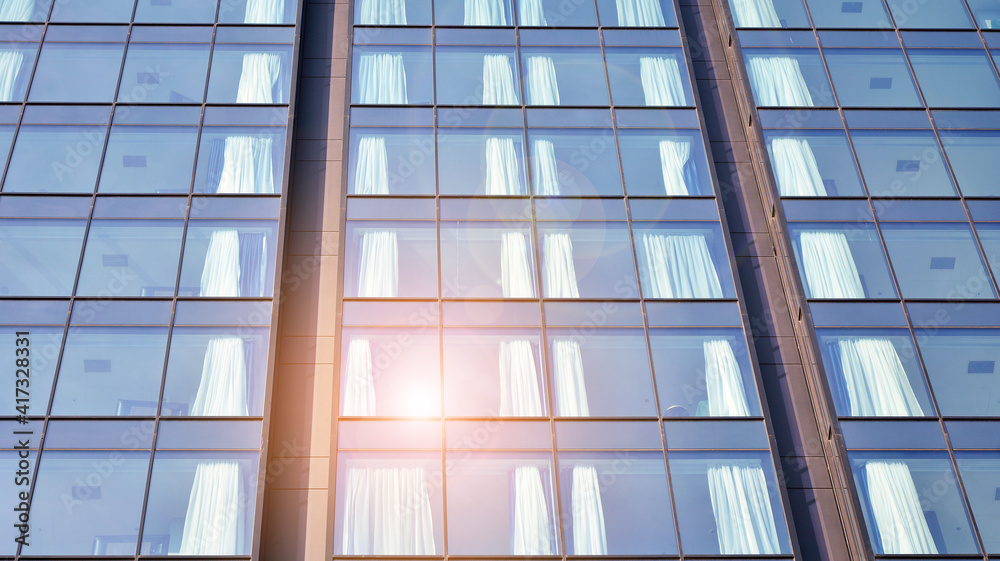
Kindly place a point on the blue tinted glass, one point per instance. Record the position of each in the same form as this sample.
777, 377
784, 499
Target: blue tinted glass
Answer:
574, 162
788, 78
648, 77
955, 78
576, 258
683, 260
55, 159
481, 162
10, 460
117, 11
41, 346
405, 370
390, 259
131, 258
241, 160
16, 61
263, 13
981, 478
963, 366
407, 12
176, 11
971, 157
642, 13
841, 261
856, 13
986, 13
488, 260
556, 13
459, 12
664, 163
392, 162
936, 261
902, 164
563, 76
229, 259
149, 159
399, 75
39, 257
813, 163
482, 367
473, 76
250, 74
769, 13
871, 77
989, 235
931, 14
30, 11
164, 73
77, 72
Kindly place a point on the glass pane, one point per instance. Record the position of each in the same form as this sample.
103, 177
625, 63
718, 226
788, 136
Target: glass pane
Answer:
87, 503
10, 491
481, 162
620, 496
564, 76
407, 12
703, 373
955, 78
981, 477
131, 258
893, 487
962, 367
648, 77
874, 373
229, 259
497, 372
902, 164
556, 13
931, 14
659, 163
176, 11
110, 371
149, 159
841, 261
736, 480
475, 76
683, 260
41, 346
813, 163
241, 160
769, 13
574, 162
390, 372
453, 12
636, 13
576, 259
93, 11
55, 159
989, 235
971, 155
936, 261
788, 77
401, 75
201, 502
38, 12
391, 259
600, 373
16, 62
39, 257
487, 260
168, 73
871, 78
77, 72
251, 11
250, 73
391, 162
857, 13
484, 491
986, 12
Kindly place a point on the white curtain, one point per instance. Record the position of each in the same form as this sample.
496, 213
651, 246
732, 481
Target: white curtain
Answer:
382, 12
755, 13
503, 172
516, 272
778, 81
543, 86
520, 395
531, 13
16, 10
259, 76
371, 174
359, 380
222, 391
382, 79
221, 275
10, 67
485, 12
895, 503
589, 536
498, 81
247, 165
532, 520
726, 395
559, 271
640, 13
571, 389
546, 173
265, 11
796, 169
215, 522
829, 265
661, 81
875, 379
743, 518
680, 266
674, 155
378, 276
387, 511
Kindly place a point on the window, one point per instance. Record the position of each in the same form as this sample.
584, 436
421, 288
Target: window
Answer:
986, 14
902, 164
131, 258
659, 163
955, 78
232, 259
391, 161
813, 163
681, 260
390, 372
241, 160
871, 78
45, 344
55, 158
970, 154
564, 76
576, 258
962, 366
242, 73
395, 75
648, 77
391, 259
474, 12
768, 13
74, 72
39, 257
841, 261
494, 372
38, 10
392, 12
164, 73
561, 13
936, 261
481, 162
933, 14
788, 77
574, 162
16, 62
149, 158
488, 260
111, 11
636, 13
981, 477
477, 76
856, 13
989, 234
175, 11
264, 12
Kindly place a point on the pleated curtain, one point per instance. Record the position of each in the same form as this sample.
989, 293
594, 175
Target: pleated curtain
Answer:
829, 265
215, 522
571, 389
532, 528
545, 176
382, 79
265, 11
755, 13
895, 503
259, 78
531, 13
796, 169
680, 266
242, 164
498, 81
542, 83
778, 82
387, 511
724, 382
520, 395
222, 391
10, 68
371, 173
378, 272
661, 81
517, 277
674, 158
875, 380
234, 265
559, 278
743, 518
589, 534
639, 13
485, 12
359, 380
503, 171
381, 12
16, 10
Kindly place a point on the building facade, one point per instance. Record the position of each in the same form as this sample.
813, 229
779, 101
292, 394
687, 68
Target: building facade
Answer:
466, 279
